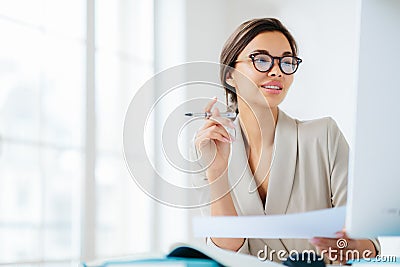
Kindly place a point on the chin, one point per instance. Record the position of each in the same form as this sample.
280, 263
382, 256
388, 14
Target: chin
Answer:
273, 102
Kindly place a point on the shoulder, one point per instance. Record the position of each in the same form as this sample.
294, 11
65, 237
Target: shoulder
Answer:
314, 126
321, 126
322, 129
324, 133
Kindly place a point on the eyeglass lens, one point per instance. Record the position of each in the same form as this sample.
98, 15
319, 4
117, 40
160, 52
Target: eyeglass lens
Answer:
264, 62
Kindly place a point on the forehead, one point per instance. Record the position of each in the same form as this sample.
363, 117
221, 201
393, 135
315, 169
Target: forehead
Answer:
274, 42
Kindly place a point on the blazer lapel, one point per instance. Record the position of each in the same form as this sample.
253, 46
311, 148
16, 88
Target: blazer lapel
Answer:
283, 166
247, 202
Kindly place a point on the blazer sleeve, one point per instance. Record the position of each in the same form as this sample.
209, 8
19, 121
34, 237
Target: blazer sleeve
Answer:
244, 249
338, 162
199, 180
338, 157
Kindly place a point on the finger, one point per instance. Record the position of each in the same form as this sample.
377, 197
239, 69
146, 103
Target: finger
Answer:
217, 136
324, 242
213, 133
213, 120
319, 241
204, 142
209, 123
215, 125
225, 122
216, 116
210, 104
219, 130
339, 244
341, 234
350, 245
216, 113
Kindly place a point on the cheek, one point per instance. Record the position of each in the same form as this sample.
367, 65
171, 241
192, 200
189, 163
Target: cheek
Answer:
288, 81
246, 79
246, 86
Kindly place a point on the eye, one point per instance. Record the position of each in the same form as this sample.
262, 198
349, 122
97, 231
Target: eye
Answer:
289, 61
262, 59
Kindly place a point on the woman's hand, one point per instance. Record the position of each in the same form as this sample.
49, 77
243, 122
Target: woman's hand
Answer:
343, 248
213, 142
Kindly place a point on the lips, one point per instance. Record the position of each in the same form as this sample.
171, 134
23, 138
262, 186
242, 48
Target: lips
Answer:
272, 87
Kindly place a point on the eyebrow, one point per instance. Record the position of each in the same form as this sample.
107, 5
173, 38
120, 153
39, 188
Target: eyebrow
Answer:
286, 53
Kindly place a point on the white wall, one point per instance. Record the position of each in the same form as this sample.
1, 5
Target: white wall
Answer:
169, 51
326, 32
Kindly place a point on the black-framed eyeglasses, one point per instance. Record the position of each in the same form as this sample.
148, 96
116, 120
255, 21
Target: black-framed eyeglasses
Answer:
264, 62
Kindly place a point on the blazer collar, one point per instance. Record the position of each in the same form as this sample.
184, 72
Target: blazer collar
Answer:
283, 167
247, 201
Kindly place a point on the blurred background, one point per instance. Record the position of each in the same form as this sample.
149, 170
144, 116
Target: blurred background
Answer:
68, 70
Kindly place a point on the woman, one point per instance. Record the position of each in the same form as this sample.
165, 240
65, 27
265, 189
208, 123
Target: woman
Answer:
294, 166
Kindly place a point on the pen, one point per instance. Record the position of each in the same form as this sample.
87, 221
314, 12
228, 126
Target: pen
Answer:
229, 115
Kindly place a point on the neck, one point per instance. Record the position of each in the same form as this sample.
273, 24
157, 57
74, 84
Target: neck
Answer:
258, 124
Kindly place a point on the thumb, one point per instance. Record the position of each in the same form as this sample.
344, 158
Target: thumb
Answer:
216, 112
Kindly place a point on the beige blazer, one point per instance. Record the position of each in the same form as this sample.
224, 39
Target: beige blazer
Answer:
309, 172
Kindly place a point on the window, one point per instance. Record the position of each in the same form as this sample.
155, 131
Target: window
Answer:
124, 61
43, 153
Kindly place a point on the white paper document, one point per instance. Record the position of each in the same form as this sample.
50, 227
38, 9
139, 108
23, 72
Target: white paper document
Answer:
323, 223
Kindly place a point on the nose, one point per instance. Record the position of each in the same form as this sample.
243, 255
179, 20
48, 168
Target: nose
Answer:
275, 71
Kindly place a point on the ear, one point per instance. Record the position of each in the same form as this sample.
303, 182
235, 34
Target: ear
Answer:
230, 79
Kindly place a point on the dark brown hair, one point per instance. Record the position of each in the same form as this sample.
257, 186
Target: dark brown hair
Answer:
240, 38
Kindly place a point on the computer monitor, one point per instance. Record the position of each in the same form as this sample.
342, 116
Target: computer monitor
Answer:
374, 169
